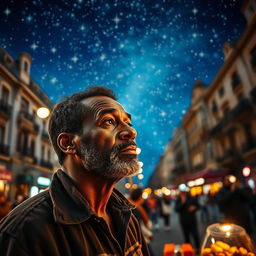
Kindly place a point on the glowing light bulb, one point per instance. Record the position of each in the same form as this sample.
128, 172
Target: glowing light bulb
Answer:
43, 112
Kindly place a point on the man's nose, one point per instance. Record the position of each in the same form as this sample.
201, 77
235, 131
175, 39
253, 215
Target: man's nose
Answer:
128, 133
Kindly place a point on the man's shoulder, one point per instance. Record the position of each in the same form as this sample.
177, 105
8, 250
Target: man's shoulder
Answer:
28, 215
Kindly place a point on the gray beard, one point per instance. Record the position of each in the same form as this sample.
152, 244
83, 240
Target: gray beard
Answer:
108, 166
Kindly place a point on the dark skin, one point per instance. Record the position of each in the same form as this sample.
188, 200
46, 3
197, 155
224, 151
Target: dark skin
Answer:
106, 125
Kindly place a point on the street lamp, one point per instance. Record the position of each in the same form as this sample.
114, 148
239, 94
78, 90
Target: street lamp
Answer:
43, 112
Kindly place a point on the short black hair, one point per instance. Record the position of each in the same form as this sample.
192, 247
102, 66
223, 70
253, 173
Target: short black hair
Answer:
136, 194
68, 115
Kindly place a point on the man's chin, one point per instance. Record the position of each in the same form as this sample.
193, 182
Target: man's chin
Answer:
128, 157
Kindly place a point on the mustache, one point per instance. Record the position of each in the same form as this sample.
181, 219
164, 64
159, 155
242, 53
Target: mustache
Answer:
117, 148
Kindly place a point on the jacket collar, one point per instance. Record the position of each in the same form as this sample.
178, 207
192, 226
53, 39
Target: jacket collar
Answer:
70, 207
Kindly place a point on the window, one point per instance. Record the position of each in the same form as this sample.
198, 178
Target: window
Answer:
26, 66
253, 58
2, 134
235, 80
32, 148
5, 96
42, 152
22, 142
197, 159
214, 107
221, 92
24, 106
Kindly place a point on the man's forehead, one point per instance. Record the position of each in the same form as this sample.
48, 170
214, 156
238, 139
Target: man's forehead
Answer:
99, 103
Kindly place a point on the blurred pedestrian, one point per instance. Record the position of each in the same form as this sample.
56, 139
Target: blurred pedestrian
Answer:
234, 200
186, 207
204, 213
5, 205
142, 216
82, 213
152, 206
213, 207
166, 211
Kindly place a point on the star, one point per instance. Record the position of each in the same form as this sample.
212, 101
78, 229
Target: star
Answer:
116, 20
163, 114
53, 50
7, 11
201, 54
34, 46
53, 80
82, 28
195, 11
102, 57
29, 18
74, 59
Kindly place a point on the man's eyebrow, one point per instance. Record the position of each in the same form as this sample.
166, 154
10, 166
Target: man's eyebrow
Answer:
112, 110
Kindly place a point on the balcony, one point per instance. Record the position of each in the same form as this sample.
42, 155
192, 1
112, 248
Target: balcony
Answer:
242, 107
46, 164
229, 154
5, 108
4, 149
27, 121
26, 115
27, 152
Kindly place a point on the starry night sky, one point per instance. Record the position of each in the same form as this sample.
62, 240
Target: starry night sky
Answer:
148, 52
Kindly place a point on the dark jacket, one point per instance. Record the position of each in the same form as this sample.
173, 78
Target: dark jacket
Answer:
59, 221
185, 216
235, 205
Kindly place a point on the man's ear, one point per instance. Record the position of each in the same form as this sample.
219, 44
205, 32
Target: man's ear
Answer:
66, 143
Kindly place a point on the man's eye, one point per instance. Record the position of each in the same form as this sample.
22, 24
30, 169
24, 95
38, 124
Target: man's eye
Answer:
109, 122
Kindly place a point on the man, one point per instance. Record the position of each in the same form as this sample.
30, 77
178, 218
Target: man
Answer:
186, 206
82, 213
234, 200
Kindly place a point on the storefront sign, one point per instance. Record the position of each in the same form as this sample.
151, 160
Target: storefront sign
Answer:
6, 175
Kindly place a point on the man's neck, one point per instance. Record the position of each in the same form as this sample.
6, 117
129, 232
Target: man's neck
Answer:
95, 189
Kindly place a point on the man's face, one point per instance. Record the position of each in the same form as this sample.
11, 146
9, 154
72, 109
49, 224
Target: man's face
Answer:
107, 142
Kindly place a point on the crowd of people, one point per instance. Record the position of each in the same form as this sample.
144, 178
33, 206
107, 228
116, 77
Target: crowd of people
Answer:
234, 203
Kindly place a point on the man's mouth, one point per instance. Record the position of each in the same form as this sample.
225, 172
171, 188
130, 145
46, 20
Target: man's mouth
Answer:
130, 150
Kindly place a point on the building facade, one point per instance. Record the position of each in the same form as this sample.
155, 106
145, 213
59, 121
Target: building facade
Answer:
26, 155
220, 124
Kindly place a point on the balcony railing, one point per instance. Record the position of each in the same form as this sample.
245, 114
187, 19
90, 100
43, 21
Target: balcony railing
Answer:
27, 152
243, 106
5, 108
26, 115
46, 164
232, 153
4, 149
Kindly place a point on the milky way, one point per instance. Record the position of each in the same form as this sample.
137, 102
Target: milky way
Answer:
148, 52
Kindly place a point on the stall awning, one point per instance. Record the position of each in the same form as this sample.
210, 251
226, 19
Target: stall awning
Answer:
6, 175
209, 175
